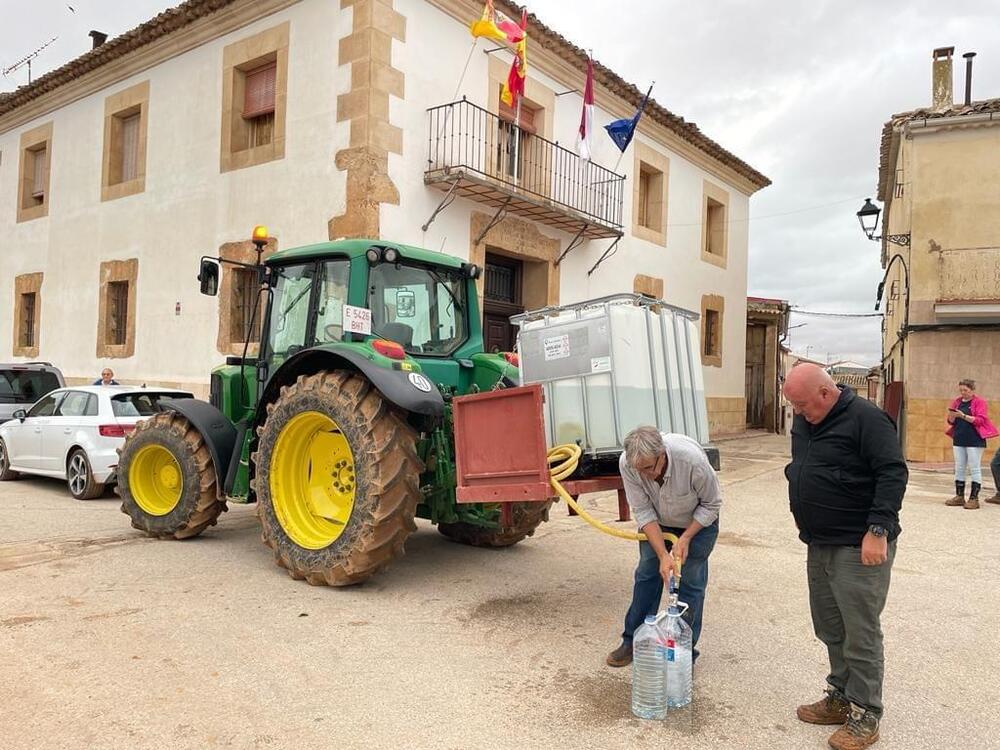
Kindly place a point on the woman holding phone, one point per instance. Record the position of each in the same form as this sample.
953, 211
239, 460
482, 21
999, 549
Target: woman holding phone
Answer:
969, 426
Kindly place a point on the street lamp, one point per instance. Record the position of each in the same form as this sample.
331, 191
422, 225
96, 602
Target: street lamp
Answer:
868, 216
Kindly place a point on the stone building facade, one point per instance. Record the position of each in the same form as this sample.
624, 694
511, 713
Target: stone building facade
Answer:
326, 119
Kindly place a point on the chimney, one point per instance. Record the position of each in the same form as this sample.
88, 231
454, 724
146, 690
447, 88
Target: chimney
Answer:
942, 94
968, 77
98, 37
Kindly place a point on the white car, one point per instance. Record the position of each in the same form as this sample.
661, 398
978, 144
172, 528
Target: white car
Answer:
75, 433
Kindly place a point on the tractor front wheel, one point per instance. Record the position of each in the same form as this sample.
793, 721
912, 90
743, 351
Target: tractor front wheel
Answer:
337, 479
527, 518
167, 480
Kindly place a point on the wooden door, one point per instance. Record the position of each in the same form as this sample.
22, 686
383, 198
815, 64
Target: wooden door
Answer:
501, 300
756, 337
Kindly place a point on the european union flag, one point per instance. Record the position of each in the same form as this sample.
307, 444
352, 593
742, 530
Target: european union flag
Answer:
621, 131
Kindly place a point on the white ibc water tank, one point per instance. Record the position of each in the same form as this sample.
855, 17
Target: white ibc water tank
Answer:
611, 364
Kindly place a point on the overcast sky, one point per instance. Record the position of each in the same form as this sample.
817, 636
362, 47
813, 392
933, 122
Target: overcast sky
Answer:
800, 90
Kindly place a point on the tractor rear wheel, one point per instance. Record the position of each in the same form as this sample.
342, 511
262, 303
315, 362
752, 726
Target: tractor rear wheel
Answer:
337, 479
527, 518
167, 480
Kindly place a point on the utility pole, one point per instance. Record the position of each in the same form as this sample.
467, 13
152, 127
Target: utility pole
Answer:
26, 60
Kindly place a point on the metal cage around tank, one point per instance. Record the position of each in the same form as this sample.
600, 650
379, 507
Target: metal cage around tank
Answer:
610, 364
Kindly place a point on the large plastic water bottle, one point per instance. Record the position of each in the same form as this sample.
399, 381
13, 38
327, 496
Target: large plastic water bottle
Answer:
678, 656
649, 678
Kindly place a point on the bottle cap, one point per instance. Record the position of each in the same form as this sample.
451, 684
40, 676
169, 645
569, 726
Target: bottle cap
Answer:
650, 619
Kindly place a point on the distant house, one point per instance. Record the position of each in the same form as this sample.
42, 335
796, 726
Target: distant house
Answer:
854, 375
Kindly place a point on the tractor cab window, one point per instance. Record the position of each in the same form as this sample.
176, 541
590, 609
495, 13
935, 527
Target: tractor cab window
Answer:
330, 302
289, 312
421, 308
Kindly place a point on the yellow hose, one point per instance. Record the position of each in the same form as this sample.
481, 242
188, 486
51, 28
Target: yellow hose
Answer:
563, 460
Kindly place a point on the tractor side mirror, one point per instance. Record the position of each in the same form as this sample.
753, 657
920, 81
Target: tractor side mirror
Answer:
20, 414
208, 275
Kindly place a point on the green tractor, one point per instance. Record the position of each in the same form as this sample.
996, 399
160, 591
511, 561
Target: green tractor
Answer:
340, 430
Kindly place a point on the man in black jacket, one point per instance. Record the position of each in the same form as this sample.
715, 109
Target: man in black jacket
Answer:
845, 487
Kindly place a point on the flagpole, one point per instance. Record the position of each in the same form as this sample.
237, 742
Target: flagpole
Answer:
517, 141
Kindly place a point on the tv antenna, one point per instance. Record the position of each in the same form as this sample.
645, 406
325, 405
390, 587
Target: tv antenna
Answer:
26, 60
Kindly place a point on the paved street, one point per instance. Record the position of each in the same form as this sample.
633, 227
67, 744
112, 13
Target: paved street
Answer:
108, 639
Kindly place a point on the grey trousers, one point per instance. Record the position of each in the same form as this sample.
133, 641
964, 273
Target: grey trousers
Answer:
846, 599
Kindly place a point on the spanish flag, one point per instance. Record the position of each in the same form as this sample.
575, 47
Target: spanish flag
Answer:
496, 26
514, 88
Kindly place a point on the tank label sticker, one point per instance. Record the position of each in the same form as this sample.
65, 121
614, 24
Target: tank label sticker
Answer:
600, 364
556, 347
357, 320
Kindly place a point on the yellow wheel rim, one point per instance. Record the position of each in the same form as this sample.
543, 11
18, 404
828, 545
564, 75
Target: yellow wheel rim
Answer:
155, 480
312, 480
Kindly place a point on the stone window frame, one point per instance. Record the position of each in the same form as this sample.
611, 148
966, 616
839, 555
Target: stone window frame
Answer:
27, 283
239, 58
33, 141
649, 286
130, 101
712, 303
657, 165
239, 252
117, 271
712, 193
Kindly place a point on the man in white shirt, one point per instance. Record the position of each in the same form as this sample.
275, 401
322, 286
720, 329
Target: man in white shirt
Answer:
670, 486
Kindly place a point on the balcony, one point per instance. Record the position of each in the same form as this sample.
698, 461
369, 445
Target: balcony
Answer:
478, 155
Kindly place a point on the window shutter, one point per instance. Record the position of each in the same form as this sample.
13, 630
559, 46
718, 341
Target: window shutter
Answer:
130, 147
260, 86
527, 124
40, 160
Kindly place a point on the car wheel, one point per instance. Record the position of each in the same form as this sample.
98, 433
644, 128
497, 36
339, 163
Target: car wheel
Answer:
80, 478
5, 472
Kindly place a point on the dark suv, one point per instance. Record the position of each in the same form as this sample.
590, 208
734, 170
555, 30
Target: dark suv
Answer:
23, 383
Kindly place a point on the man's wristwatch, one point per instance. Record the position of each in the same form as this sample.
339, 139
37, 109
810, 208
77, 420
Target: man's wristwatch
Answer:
879, 531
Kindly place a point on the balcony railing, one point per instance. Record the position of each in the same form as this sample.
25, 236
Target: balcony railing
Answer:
489, 159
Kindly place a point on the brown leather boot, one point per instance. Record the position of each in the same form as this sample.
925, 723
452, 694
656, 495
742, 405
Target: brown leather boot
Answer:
859, 731
833, 708
621, 656
959, 499
995, 499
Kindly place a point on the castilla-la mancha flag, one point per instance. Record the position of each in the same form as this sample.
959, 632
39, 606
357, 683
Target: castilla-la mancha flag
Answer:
587, 116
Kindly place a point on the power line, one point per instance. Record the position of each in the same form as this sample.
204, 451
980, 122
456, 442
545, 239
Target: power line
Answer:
814, 313
772, 216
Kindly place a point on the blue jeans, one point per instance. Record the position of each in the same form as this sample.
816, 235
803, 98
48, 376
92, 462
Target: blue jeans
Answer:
972, 457
694, 580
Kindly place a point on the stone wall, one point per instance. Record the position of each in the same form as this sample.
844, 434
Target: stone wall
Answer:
726, 415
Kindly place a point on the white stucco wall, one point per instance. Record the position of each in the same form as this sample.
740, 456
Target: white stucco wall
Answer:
189, 208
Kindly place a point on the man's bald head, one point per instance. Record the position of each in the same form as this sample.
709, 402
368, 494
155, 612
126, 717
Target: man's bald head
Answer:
811, 392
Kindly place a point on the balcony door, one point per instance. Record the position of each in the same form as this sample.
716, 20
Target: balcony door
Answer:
502, 298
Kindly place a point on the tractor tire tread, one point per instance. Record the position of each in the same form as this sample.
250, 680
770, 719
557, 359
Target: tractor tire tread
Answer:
387, 497
200, 505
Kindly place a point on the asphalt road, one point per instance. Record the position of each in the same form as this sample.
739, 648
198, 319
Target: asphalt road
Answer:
112, 640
